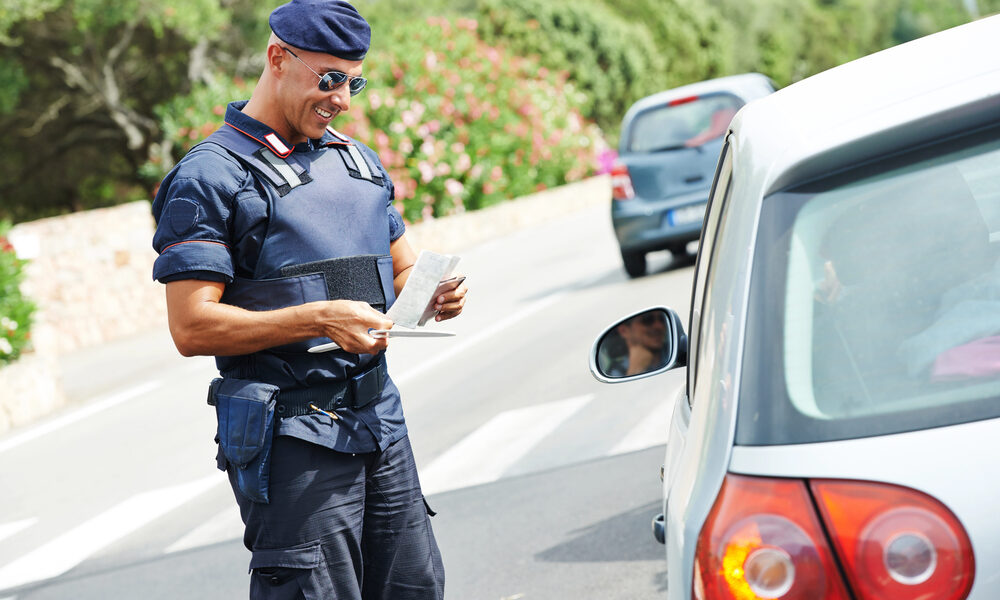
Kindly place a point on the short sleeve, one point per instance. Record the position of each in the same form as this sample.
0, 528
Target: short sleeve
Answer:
192, 212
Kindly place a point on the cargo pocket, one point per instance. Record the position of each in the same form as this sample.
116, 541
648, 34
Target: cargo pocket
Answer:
245, 410
291, 573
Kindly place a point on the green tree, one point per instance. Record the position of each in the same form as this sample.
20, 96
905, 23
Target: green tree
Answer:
79, 81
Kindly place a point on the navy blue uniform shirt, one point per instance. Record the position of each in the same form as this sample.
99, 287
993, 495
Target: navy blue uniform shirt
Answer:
216, 233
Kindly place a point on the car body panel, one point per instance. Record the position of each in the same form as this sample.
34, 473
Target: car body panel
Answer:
647, 226
708, 443
953, 464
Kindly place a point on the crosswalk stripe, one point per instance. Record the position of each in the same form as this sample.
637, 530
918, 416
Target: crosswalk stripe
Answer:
13, 528
73, 547
486, 453
83, 413
225, 526
463, 347
651, 431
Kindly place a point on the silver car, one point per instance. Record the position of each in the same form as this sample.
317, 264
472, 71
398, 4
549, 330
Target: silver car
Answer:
838, 433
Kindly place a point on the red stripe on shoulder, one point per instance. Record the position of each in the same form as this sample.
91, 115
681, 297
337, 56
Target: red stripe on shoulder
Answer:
263, 142
194, 242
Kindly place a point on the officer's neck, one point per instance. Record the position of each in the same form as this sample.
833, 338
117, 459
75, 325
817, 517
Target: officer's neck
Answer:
269, 114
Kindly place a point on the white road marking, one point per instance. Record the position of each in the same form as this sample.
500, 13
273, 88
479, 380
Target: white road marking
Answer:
651, 431
485, 454
225, 526
482, 335
77, 415
73, 547
10, 529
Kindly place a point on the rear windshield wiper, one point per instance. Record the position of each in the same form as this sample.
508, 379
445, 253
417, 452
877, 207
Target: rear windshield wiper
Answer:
668, 148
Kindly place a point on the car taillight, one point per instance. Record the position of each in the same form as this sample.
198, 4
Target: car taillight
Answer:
621, 183
896, 542
763, 540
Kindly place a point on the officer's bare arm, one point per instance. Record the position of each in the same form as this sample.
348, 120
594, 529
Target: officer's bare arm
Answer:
202, 326
403, 258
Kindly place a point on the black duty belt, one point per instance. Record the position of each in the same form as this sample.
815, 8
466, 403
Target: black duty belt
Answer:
358, 391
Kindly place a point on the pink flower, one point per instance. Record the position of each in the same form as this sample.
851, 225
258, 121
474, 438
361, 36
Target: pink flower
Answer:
606, 160
453, 187
430, 60
426, 171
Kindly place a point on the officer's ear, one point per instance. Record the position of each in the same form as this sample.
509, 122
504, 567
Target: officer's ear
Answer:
275, 58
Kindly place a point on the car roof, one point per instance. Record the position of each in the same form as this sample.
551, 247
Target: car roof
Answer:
888, 101
746, 86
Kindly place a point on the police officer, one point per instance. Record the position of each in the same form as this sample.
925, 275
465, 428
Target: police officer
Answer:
277, 234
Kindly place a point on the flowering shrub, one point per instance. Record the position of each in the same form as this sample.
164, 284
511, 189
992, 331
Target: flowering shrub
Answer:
15, 309
613, 60
188, 119
458, 124
461, 125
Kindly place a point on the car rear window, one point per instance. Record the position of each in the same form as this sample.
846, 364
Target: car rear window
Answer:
683, 123
875, 300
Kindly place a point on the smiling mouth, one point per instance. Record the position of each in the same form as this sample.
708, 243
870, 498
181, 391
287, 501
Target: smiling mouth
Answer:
323, 113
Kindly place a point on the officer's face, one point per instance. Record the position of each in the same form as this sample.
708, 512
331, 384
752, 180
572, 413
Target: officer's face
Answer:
306, 108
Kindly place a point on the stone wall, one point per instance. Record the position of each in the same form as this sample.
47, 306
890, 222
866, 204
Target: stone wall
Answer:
90, 275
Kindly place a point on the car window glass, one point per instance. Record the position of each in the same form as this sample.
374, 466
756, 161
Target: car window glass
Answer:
703, 266
688, 122
886, 287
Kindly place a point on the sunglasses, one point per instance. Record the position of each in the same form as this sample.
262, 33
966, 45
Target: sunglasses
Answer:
334, 79
653, 319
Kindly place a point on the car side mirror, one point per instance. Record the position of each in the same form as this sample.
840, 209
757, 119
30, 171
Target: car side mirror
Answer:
643, 344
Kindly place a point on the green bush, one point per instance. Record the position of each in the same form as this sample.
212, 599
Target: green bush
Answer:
15, 309
613, 61
458, 124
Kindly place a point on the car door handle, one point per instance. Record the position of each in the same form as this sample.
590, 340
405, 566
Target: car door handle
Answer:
694, 179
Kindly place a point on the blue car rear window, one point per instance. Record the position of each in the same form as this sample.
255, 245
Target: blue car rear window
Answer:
684, 123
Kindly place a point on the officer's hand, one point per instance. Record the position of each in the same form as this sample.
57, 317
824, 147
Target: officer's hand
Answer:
451, 303
347, 322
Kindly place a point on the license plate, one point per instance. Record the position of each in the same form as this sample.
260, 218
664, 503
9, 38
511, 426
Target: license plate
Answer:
686, 215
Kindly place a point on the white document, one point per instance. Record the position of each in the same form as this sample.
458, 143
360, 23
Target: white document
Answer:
418, 293
415, 301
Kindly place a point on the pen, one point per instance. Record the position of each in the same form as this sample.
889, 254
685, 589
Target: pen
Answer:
329, 414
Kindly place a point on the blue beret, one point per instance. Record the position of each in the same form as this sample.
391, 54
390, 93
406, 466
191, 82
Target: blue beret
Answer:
326, 26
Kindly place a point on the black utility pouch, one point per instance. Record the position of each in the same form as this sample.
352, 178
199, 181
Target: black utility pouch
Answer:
245, 410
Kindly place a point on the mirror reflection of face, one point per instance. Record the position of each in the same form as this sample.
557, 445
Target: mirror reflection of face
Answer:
635, 346
647, 331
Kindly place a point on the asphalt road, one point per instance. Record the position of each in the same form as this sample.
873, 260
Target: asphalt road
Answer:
544, 480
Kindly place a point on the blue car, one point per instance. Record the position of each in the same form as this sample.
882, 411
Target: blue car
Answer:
670, 143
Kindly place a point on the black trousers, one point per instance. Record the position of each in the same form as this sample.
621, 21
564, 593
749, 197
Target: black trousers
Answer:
350, 527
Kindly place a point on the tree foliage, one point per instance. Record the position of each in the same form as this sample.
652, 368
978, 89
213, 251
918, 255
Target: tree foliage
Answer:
83, 79
96, 95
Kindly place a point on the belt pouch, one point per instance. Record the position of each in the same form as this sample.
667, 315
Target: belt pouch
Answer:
245, 410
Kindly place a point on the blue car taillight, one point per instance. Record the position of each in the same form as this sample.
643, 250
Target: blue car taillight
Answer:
621, 183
